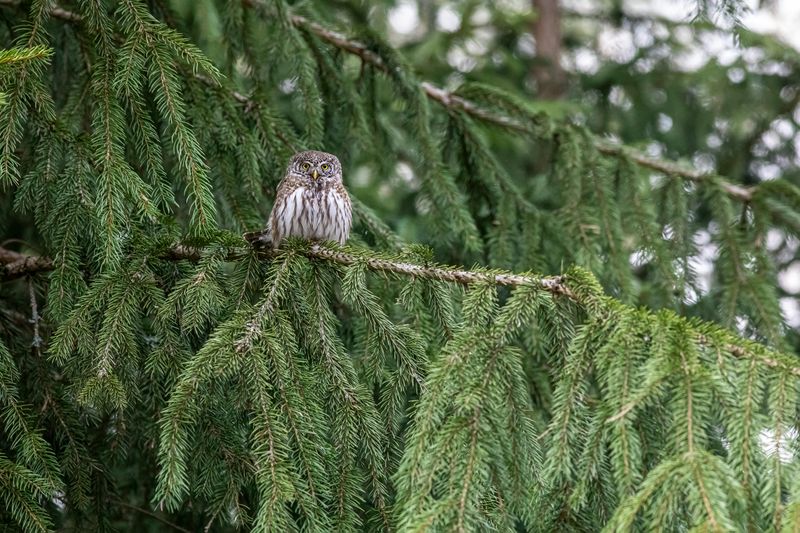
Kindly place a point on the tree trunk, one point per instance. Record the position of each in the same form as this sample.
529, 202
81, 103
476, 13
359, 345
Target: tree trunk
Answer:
551, 80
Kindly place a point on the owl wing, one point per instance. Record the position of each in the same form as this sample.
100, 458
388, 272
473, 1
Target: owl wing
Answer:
284, 190
345, 214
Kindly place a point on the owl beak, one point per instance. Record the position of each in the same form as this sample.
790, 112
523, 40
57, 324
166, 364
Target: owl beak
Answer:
315, 174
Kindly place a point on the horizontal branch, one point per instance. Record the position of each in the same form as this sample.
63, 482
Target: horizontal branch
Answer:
15, 264
552, 284
557, 285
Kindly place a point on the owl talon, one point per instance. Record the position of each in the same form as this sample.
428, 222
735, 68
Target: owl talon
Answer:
258, 238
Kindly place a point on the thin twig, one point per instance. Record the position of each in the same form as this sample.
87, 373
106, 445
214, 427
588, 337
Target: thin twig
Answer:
35, 318
64, 14
151, 514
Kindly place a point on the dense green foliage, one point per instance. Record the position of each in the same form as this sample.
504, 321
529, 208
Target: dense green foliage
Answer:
156, 372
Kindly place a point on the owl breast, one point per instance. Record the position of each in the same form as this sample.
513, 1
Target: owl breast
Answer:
322, 215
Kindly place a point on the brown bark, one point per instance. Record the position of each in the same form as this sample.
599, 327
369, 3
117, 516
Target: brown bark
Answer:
551, 80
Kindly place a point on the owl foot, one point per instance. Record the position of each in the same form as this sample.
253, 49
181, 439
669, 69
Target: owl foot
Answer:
258, 239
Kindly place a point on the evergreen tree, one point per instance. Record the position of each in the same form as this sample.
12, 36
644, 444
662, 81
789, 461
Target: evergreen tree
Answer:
157, 372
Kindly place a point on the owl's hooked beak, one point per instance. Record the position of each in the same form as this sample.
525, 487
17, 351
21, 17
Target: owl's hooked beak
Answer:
315, 174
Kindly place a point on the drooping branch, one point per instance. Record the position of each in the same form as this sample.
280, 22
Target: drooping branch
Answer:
669, 168
14, 265
449, 100
672, 168
452, 101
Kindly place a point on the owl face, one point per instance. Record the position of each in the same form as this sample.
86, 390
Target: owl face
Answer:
317, 169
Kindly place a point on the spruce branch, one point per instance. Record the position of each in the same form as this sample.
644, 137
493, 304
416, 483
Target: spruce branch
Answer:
553, 284
672, 168
457, 103
321, 387
453, 102
15, 55
17, 265
151, 514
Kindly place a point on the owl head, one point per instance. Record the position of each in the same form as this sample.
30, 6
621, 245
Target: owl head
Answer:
318, 168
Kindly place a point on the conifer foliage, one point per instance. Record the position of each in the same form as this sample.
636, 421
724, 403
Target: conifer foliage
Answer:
159, 373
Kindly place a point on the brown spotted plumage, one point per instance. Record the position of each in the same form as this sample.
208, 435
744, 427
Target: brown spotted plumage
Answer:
311, 201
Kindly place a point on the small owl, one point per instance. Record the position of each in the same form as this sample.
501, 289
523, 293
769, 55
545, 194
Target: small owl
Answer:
311, 201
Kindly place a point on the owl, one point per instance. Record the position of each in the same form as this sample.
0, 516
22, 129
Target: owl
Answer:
311, 201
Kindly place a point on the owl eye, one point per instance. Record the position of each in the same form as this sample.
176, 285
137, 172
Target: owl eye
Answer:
326, 167
306, 165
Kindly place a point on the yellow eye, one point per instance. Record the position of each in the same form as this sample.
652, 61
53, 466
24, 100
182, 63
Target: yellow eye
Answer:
306, 165
326, 167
